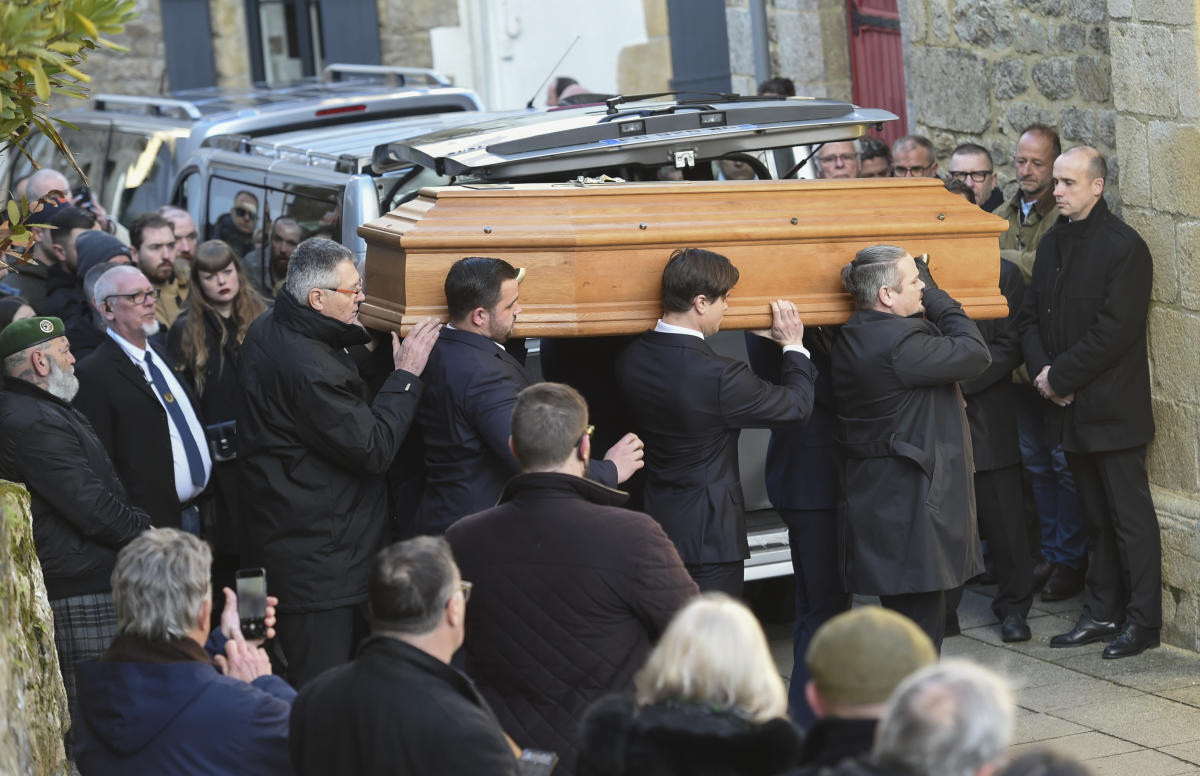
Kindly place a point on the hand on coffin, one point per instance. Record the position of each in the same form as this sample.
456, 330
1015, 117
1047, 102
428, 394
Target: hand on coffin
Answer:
923, 272
627, 454
411, 354
786, 326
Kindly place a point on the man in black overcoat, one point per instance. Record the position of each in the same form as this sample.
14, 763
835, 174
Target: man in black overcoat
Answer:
540, 659
690, 406
400, 709
1084, 329
314, 451
908, 521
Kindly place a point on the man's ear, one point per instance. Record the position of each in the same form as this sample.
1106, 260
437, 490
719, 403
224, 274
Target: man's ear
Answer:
700, 303
479, 317
314, 299
884, 295
204, 616
585, 448
59, 252
512, 448
40, 361
814, 698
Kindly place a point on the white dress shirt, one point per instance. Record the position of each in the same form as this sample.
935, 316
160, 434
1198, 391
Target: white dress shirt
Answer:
183, 475
670, 328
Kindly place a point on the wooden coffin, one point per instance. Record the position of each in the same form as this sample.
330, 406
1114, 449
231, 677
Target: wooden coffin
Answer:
594, 254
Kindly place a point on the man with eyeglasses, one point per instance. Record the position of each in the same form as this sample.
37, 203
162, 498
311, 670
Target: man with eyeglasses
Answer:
913, 157
314, 446
400, 707
971, 163
143, 413
838, 160
1031, 212
617, 578
153, 242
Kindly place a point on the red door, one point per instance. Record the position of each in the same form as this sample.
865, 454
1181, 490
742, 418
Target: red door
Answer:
877, 61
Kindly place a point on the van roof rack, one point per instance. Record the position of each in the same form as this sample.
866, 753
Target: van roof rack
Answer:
347, 163
399, 75
154, 106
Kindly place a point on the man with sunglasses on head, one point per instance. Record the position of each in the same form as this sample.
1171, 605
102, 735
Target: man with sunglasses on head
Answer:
314, 447
145, 416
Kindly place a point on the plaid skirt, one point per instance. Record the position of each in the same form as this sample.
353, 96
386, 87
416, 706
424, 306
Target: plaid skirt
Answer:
84, 626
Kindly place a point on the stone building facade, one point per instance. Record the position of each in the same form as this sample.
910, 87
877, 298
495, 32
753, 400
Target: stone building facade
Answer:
980, 71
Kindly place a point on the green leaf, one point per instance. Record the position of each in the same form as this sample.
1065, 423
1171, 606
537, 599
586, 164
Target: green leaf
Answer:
14, 212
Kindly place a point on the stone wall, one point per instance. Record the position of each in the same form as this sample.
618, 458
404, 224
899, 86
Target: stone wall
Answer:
977, 70
230, 43
1156, 93
808, 43
404, 27
645, 68
33, 703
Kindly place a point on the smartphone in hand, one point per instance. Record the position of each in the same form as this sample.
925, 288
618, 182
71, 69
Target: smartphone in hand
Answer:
252, 602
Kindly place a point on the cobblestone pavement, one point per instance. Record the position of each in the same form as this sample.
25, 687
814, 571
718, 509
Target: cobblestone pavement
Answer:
1138, 715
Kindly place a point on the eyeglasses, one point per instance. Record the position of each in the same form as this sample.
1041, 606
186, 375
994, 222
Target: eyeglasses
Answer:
242, 212
348, 291
905, 172
587, 432
465, 588
137, 297
979, 176
843, 158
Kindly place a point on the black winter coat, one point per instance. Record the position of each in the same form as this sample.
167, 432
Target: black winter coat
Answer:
65, 300
1085, 316
313, 453
81, 515
909, 512
541, 658
396, 711
218, 403
620, 739
991, 397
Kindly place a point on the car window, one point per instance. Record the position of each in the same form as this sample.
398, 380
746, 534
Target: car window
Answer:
318, 209
235, 214
138, 173
89, 144
395, 190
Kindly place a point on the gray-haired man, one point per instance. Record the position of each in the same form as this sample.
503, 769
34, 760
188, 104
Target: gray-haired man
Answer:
314, 449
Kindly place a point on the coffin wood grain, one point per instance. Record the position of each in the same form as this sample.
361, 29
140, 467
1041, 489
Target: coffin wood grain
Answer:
594, 254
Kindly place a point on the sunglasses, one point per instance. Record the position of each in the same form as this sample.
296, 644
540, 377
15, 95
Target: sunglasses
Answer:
242, 212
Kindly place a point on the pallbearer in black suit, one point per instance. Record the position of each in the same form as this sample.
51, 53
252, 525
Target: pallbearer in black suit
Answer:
466, 412
142, 412
690, 405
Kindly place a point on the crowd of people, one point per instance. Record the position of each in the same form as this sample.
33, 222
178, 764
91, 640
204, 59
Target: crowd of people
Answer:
226, 396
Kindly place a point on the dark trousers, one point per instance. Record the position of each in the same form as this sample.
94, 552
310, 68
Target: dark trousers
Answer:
315, 641
1002, 525
927, 610
727, 578
820, 594
1124, 577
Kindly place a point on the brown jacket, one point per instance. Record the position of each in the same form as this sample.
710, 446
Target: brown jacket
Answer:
1019, 244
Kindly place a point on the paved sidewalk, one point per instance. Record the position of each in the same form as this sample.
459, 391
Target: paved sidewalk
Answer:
1138, 715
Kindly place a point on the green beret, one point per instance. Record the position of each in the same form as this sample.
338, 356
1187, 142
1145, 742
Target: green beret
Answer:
860, 656
28, 332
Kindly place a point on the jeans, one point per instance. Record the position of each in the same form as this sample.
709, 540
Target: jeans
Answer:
1064, 540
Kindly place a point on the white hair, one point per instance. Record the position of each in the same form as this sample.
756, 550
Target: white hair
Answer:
159, 584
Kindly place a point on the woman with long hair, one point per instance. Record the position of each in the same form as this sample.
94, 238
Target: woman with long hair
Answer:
709, 701
203, 347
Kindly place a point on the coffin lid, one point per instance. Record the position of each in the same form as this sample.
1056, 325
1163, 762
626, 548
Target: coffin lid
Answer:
650, 132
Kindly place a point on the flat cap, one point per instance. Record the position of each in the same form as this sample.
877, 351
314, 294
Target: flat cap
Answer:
859, 657
28, 332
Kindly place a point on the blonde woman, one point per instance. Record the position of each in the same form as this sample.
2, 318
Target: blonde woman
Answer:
709, 701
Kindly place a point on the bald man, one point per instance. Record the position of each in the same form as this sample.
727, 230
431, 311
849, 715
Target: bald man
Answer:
1084, 335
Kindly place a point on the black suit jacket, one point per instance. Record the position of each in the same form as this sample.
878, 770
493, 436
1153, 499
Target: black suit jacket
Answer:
132, 424
466, 419
689, 406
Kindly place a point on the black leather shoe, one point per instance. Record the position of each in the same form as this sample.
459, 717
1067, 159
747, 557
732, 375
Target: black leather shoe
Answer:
1041, 573
1086, 631
1133, 640
1014, 628
1064, 582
